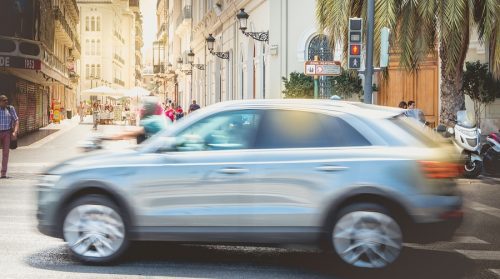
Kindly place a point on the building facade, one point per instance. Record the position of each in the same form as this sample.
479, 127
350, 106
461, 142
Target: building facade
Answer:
249, 68
139, 42
108, 37
39, 49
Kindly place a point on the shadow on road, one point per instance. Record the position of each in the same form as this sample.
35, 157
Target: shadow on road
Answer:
196, 261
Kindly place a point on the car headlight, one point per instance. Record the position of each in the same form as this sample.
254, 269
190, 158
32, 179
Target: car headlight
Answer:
49, 180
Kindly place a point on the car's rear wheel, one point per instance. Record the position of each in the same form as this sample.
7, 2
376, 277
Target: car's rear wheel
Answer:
366, 236
95, 230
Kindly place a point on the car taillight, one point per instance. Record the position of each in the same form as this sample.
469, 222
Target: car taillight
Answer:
436, 169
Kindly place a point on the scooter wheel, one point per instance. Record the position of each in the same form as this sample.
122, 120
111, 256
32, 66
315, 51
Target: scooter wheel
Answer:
473, 169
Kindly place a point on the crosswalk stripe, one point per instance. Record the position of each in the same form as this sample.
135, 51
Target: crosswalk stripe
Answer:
496, 271
485, 209
481, 254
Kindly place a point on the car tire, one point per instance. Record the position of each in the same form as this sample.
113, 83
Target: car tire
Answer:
366, 235
95, 229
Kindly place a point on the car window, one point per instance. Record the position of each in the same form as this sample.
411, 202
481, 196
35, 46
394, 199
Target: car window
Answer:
228, 130
300, 129
341, 133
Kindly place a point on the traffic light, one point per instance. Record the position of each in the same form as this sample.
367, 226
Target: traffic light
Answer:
355, 41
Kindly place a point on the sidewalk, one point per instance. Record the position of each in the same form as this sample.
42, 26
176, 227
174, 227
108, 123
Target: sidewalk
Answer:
45, 134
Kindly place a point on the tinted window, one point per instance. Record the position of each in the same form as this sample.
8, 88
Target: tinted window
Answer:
228, 130
341, 133
298, 129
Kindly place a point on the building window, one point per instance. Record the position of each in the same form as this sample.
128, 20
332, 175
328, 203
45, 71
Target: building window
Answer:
98, 70
93, 47
320, 46
98, 23
87, 47
92, 24
98, 47
87, 24
92, 71
87, 71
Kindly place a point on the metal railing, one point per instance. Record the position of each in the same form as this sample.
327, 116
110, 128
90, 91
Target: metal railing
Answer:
119, 58
119, 82
59, 16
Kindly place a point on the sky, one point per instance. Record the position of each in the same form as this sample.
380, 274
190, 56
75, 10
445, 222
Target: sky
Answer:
149, 28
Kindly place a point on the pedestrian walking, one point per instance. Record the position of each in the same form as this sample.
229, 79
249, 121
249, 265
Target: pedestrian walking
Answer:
194, 106
81, 111
96, 109
9, 127
179, 113
170, 113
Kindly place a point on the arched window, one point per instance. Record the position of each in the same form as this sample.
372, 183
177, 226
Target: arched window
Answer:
87, 23
92, 71
92, 24
93, 47
320, 46
98, 47
98, 23
98, 71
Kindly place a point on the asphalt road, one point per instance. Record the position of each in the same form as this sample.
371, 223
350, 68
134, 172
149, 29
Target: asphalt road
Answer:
25, 253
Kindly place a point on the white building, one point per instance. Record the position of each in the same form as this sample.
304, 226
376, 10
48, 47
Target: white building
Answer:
254, 68
108, 38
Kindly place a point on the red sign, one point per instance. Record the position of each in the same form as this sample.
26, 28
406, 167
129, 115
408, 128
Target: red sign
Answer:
20, 62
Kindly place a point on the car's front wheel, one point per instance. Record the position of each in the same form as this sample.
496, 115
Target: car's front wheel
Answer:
94, 229
366, 236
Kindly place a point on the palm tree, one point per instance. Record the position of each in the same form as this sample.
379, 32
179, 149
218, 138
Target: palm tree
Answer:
419, 24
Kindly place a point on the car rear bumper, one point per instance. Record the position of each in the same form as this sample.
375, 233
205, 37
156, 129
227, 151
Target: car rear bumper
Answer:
436, 231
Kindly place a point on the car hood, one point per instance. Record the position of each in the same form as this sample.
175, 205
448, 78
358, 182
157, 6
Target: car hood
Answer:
101, 159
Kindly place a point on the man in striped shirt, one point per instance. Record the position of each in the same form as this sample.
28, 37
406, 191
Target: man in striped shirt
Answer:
9, 126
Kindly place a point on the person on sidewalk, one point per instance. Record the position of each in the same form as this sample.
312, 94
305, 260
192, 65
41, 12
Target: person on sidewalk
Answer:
194, 106
9, 127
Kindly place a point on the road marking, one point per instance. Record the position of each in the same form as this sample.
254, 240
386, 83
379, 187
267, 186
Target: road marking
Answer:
485, 209
469, 240
496, 271
481, 254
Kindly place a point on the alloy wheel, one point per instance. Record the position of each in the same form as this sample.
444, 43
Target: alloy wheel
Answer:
95, 231
367, 239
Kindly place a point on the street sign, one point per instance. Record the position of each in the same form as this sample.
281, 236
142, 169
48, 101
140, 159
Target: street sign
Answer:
322, 68
355, 40
19, 62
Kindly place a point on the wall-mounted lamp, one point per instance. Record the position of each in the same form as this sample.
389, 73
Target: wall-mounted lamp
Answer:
190, 57
210, 45
242, 17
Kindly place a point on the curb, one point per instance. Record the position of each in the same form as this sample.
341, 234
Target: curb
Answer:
62, 129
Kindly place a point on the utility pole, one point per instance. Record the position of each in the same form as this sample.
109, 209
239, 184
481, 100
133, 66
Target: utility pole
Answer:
369, 52
316, 81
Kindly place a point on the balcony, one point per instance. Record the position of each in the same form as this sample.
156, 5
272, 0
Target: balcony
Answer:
183, 21
64, 30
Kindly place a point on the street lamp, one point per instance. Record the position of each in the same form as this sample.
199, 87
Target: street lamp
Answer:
210, 44
242, 17
191, 60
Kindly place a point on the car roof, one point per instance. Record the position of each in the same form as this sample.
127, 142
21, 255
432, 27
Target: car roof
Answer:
354, 108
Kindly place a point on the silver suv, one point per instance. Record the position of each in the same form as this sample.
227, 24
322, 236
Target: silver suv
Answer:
360, 179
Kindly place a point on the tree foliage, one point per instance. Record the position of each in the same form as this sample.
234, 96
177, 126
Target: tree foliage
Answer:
347, 84
480, 86
298, 86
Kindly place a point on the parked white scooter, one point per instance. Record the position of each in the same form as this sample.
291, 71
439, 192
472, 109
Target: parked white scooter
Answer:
467, 138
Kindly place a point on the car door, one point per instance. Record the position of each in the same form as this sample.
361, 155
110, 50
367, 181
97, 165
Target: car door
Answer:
199, 184
304, 159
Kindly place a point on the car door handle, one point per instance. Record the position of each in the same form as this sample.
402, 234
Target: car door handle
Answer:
331, 168
233, 170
